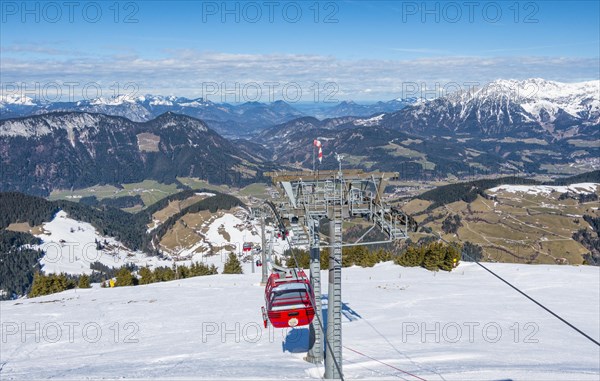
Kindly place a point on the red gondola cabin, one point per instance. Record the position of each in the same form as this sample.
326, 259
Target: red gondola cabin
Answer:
288, 300
283, 233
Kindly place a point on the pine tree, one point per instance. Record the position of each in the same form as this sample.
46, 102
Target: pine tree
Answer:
168, 274
59, 283
472, 252
84, 281
434, 256
384, 255
324, 258
197, 269
451, 257
146, 275
233, 265
50, 284
163, 274
353, 255
124, 278
183, 272
369, 259
39, 286
413, 256
302, 256
200, 269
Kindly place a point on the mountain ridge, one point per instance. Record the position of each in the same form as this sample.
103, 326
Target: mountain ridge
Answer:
75, 149
528, 108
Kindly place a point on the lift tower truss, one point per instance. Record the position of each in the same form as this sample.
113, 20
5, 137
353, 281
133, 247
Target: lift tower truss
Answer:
312, 197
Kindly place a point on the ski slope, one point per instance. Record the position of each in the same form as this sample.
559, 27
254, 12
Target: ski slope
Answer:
228, 232
211, 328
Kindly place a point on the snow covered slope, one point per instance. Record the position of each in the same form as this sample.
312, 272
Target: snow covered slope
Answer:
534, 108
464, 325
583, 188
70, 247
220, 234
538, 96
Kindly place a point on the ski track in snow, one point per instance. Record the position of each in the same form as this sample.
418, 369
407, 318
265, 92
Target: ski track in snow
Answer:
211, 328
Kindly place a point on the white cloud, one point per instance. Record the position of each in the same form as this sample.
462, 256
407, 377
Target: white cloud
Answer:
191, 72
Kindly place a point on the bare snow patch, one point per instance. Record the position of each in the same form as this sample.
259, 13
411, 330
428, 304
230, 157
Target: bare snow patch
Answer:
205, 194
583, 188
373, 121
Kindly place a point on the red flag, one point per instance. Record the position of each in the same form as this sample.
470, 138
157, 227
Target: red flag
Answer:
317, 143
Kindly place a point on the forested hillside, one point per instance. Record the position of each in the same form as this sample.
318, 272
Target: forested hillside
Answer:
19, 262
75, 150
517, 220
468, 191
588, 177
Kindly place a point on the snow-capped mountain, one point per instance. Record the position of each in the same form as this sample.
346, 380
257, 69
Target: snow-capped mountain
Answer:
521, 125
538, 97
232, 120
301, 128
529, 108
12, 99
227, 119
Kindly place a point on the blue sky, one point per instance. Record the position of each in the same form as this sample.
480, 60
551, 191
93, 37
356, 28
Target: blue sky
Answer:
361, 50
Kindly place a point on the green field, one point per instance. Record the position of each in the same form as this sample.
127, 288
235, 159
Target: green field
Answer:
258, 190
398, 150
152, 191
196, 183
149, 190
100, 191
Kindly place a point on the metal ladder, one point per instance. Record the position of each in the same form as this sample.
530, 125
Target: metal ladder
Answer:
300, 238
316, 340
334, 310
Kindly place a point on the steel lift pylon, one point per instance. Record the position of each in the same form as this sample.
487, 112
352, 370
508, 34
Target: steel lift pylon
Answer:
311, 197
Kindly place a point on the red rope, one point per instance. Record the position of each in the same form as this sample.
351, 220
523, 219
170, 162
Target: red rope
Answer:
381, 362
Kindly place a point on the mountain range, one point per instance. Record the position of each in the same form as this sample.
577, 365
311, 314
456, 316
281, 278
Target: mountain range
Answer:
227, 119
351, 108
533, 108
74, 150
530, 127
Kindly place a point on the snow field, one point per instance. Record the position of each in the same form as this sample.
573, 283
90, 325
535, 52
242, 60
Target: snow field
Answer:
463, 325
70, 246
581, 188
